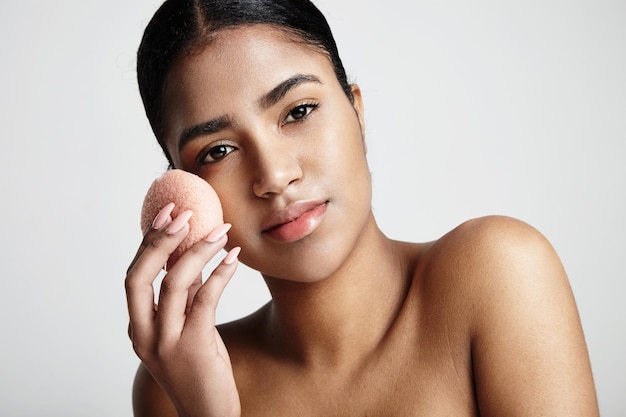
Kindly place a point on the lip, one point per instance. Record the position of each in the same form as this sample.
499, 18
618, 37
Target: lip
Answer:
296, 221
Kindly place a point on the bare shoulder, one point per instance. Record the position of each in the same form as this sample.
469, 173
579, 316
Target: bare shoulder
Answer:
493, 235
494, 248
497, 265
149, 399
529, 355
483, 254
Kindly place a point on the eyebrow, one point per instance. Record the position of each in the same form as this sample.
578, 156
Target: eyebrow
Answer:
281, 90
205, 128
266, 101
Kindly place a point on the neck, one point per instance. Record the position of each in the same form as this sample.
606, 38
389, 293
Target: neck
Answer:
343, 318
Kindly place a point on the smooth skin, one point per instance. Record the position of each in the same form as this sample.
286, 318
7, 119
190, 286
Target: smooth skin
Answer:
480, 322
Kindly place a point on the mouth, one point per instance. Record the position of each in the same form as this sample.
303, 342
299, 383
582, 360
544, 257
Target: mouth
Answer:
296, 221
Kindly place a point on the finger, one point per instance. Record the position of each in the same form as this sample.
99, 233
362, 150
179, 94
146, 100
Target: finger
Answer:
158, 249
195, 286
202, 312
140, 299
177, 283
161, 220
140, 278
215, 235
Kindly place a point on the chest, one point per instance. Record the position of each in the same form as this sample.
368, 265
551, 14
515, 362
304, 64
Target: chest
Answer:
422, 366
399, 379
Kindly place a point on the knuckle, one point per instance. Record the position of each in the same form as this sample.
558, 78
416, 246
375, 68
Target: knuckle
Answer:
169, 286
144, 351
204, 299
156, 243
149, 234
131, 284
131, 267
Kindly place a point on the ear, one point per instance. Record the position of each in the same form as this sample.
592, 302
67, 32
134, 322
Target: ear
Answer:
357, 103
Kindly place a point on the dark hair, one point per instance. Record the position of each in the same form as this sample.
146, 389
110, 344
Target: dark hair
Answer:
181, 27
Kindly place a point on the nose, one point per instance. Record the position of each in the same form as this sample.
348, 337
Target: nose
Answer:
277, 167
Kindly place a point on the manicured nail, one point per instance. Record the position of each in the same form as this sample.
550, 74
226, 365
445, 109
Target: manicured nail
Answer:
232, 255
179, 222
162, 217
218, 233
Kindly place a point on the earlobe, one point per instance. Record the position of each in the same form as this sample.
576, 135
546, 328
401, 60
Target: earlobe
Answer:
357, 103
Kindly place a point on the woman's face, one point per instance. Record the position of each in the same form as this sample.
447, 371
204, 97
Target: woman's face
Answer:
264, 120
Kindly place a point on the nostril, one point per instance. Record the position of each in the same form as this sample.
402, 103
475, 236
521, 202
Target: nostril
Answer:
275, 176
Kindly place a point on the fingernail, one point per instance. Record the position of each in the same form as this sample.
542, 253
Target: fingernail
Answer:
218, 233
161, 218
232, 255
179, 222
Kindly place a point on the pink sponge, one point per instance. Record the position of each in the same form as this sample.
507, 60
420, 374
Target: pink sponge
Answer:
188, 192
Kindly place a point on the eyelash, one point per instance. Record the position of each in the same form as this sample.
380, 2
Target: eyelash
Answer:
202, 158
310, 107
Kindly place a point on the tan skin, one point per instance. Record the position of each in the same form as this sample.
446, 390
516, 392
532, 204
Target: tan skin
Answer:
480, 322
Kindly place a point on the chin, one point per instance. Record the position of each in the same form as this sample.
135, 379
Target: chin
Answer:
305, 263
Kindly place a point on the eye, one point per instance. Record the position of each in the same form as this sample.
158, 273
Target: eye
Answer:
214, 154
299, 112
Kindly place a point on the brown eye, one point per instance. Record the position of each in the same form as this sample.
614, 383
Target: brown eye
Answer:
299, 112
215, 154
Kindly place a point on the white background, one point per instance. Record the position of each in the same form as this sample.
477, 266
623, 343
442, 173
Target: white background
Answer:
473, 108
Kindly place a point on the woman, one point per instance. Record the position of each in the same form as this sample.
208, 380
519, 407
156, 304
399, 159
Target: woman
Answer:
252, 97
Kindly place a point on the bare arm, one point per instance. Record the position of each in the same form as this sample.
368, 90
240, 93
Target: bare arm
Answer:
528, 349
149, 399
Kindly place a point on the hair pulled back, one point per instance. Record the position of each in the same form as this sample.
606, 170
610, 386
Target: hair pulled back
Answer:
181, 27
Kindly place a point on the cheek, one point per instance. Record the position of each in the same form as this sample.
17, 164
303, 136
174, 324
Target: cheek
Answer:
233, 204
236, 236
346, 154
237, 211
232, 212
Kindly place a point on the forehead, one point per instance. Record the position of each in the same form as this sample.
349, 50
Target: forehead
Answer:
242, 59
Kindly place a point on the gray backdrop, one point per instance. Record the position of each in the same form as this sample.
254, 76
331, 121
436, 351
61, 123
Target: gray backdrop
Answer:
473, 108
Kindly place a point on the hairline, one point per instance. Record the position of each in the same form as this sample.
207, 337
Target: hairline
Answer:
208, 36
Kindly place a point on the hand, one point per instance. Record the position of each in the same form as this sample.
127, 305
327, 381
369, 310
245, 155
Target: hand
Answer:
178, 342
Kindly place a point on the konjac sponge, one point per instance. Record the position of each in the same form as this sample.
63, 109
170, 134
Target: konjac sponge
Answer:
188, 192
